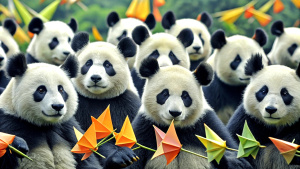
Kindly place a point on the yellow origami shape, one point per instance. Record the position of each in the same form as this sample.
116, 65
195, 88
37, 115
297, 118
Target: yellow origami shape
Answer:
97, 34
232, 15
126, 137
103, 124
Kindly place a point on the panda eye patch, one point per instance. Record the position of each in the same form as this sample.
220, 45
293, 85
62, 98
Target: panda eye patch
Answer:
173, 58
286, 97
162, 97
63, 93
124, 34
85, 68
40, 93
69, 39
261, 94
4, 47
53, 43
187, 100
236, 62
154, 54
292, 49
109, 68
202, 40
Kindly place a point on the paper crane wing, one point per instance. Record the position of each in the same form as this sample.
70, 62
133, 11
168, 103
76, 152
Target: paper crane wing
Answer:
87, 141
210, 134
25, 15
159, 135
158, 152
247, 147
5, 140
232, 15
48, 11
131, 9
103, 124
296, 3
261, 17
278, 6
126, 137
266, 6
2, 152
97, 34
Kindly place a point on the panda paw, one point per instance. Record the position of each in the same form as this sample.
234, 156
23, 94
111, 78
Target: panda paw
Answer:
20, 144
121, 158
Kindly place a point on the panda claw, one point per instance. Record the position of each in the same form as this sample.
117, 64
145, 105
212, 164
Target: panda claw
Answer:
137, 157
134, 159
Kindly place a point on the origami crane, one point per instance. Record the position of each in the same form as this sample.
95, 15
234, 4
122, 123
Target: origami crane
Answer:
139, 9
103, 125
287, 149
126, 137
248, 144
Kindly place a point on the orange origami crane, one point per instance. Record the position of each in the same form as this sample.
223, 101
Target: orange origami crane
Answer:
103, 125
287, 149
126, 137
278, 6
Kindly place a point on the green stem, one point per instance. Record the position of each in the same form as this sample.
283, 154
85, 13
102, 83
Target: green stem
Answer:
100, 143
106, 141
297, 155
97, 153
193, 153
136, 148
297, 151
231, 149
144, 147
19, 152
261, 146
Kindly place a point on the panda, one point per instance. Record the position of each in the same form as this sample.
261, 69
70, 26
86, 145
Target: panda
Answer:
38, 106
103, 80
7, 31
224, 94
285, 50
3, 58
174, 93
121, 28
271, 108
51, 42
167, 49
200, 49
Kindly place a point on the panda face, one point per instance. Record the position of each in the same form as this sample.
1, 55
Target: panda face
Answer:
273, 96
8, 44
3, 57
200, 47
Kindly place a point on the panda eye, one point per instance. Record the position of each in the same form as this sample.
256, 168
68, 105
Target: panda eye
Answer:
237, 59
261, 94
284, 92
69, 39
202, 40
60, 89
107, 65
41, 89
187, 100
88, 63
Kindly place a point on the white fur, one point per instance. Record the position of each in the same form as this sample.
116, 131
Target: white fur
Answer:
2, 54
9, 41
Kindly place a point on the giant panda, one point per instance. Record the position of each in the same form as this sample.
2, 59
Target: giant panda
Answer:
271, 108
200, 48
7, 31
224, 94
104, 79
51, 42
121, 28
167, 49
174, 93
285, 50
3, 58
38, 105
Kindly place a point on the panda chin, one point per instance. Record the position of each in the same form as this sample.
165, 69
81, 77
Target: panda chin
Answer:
271, 120
58, 61
195, 56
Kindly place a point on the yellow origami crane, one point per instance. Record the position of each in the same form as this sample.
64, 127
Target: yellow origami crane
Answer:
126, 137
103, 124
248, 144
139, 9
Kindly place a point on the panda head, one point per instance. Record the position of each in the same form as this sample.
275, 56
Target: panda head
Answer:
174, 92
286, 48
232, 53
51, 41
40, 93
273, 95
3, 57
200, 48
104, 72
167, 49
121, 28
7, 31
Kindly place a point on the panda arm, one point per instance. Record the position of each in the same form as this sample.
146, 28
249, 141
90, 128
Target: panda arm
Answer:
138, 82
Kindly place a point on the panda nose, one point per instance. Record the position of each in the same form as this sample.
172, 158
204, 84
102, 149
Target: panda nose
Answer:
95, 78
175, 113
197, 48
271, 109
57, 107
1, 58
66, 53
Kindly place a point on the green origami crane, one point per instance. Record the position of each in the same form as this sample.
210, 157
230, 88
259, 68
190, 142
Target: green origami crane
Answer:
248, 144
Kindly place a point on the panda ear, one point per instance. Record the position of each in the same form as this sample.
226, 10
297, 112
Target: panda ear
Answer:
277, 28
254, 65
168, 20
204, 74
260, 37
150, 21
186, 37
10, 25
206, 19
73, 24
70, 66
127, 47
80, 40
218, 39
112, 19
16, 65
140, 34
36, 25
149, 67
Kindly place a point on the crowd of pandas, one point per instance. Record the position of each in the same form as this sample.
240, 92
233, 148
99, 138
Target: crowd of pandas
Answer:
184, 74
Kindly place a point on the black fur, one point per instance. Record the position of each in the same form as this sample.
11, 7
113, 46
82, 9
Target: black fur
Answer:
195, 63
80, 40
254, 65
109, 69
10, 25
150, 21
139, 83
31, 59
168, 20
277, 28
127, 47
37, 135
73, 24
204, 73
149, 67
112, 19
140, 34
40, 93
124, 34
3, 79
218, 39
4, 47
70, 66
16, 65
292, 49
1, 90
260, 37
298, 70
54, 42
186, 37
36, 25
206, 19
162, 97
174, 59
